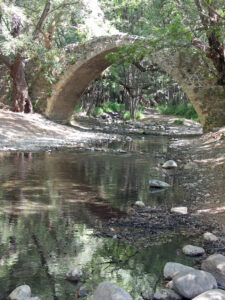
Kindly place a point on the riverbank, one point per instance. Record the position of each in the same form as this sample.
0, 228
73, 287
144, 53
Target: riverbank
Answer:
33, 132
201, 161
201, 172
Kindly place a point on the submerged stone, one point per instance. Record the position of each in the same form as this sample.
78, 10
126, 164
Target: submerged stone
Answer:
74, 274
110, 291
158, 184
147, 294
83, 291
20, 293
170, 164
191, 165
166, 294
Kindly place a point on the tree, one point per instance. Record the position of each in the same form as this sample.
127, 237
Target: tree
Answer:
23, 30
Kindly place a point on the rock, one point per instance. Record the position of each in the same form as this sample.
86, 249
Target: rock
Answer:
83, 291
22, 292
171, 269
190, 284
210, 237
215, 264
190, 165
166, 294
193, 250
181, 210
139, 203
211, 295
74, 274
170, 164
158, 184
147, 294
110, 291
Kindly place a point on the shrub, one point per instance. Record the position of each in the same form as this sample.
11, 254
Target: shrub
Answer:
185, 110
138, 115
178, 122
98, 111
126, 115
113, 107
77, 108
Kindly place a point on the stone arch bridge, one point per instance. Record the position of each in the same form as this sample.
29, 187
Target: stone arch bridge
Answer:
186, 67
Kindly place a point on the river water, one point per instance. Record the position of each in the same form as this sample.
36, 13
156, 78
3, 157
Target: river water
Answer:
53, 203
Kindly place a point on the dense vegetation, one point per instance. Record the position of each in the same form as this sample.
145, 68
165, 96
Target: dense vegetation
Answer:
39, 31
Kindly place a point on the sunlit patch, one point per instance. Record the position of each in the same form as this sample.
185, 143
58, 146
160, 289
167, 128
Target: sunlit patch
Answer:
27, 207
35, 188
212, 211
213, 161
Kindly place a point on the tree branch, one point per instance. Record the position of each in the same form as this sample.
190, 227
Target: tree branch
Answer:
197, 43
42, 18
127, 87
213, 10
6, 61
143, 69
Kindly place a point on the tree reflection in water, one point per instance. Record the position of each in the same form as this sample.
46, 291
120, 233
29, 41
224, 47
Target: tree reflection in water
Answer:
52, 203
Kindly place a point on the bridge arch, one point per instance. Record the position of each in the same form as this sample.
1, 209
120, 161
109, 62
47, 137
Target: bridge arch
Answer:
90, 63
185, 67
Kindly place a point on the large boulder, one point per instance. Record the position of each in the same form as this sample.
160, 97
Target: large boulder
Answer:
22, 292
190, 284
215, 264
166, 294
110, 291
211, 295
171, 269
193, 250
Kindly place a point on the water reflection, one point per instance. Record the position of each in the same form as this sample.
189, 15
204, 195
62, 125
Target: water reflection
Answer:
51, 204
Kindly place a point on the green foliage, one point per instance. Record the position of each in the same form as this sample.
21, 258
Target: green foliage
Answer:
185, 110
98, 111
126, 115
113, 107
78, 109
178, 122
138, 115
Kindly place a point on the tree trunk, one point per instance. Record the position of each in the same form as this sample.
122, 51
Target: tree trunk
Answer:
21, 97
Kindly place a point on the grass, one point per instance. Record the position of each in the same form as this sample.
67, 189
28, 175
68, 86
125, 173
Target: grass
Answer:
185, 110
109, 107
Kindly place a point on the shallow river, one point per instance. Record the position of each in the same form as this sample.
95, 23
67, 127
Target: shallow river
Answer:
52, 205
